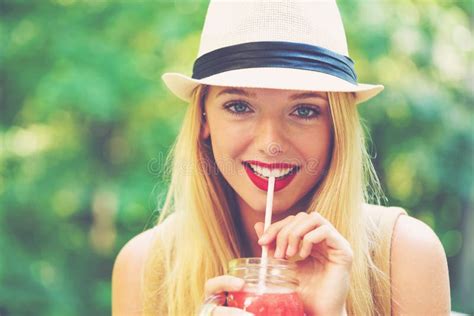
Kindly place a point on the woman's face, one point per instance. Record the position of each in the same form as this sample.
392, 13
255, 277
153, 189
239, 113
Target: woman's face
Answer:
256, 133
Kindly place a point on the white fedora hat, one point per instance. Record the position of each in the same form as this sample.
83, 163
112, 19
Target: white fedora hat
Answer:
295, 45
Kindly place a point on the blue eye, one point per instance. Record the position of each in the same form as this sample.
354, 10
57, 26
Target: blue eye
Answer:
307, 112
238, 108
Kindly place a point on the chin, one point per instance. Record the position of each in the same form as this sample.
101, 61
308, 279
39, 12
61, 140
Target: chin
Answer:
260, 207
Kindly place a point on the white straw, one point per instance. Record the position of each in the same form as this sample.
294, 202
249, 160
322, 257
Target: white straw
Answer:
268, 221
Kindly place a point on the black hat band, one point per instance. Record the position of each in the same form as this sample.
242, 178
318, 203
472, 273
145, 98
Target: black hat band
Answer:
275, 54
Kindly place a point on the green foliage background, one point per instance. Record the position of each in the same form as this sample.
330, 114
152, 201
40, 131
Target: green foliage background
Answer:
85, 125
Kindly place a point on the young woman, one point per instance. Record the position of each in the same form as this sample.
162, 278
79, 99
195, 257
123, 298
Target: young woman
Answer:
274, 93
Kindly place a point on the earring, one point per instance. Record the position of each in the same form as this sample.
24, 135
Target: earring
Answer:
203, 113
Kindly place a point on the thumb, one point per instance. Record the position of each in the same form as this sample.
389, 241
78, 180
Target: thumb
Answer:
259, 228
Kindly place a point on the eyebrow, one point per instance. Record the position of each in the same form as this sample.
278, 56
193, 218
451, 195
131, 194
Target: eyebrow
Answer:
242, 92
236, 91
307, 95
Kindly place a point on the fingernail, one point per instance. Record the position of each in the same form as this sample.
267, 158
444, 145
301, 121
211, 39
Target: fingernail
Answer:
289, 251
277, 253
301, 254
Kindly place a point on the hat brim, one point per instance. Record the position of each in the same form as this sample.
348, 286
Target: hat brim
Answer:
273, 78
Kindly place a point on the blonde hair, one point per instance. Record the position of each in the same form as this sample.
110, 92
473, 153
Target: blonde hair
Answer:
202, 235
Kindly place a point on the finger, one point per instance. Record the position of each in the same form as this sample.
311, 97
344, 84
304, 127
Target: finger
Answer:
312, 238
287, 236
303, 224
223, 283
259, 229
331, 236
231, 311
273, 230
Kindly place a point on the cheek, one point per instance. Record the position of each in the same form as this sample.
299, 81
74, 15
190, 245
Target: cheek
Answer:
318, 148
228, 142
315, 151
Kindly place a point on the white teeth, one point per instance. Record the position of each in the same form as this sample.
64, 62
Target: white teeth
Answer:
265, 172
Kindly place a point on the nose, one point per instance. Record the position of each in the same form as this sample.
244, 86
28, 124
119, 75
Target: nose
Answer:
270, 137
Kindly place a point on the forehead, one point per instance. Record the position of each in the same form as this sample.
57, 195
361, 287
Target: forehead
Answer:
217, 91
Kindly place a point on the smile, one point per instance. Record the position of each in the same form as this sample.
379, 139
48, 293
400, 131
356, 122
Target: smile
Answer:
260, 172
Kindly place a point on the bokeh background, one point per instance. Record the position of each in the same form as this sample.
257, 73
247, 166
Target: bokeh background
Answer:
85, 125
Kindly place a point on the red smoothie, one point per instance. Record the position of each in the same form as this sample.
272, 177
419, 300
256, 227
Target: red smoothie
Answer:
267, 304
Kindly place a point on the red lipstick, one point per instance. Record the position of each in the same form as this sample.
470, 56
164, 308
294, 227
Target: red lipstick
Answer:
262, 182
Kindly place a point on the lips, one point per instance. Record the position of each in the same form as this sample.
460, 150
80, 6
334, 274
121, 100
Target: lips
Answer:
261, 182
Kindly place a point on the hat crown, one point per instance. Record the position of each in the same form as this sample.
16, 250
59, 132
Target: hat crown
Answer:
231, 22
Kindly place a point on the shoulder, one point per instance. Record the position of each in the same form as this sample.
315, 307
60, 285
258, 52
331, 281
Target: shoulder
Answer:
382, 214
135, 251
419, 271
127, 272
126, 280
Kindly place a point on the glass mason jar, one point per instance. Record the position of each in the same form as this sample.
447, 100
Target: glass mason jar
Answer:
269, 289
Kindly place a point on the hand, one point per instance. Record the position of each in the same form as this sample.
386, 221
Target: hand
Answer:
214, 289
325, 259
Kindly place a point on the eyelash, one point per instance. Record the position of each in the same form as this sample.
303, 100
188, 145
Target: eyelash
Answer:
316, 110
232, 104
